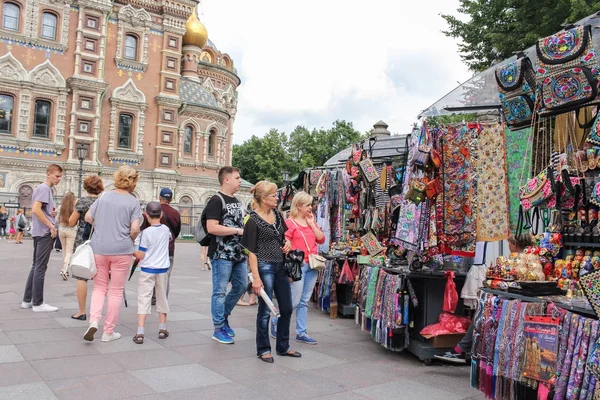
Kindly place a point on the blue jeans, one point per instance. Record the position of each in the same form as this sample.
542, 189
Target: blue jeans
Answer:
222, 303
274, 278
301, 292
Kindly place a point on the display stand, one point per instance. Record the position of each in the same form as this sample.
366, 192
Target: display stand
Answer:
429, 289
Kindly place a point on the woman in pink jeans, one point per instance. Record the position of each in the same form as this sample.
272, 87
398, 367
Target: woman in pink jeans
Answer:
116, 219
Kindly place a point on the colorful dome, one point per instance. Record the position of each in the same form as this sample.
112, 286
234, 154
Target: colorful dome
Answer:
195, 32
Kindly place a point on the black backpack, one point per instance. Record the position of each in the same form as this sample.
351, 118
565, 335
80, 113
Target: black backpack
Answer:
201, 233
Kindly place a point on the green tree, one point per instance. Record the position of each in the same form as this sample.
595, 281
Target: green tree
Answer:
493, 30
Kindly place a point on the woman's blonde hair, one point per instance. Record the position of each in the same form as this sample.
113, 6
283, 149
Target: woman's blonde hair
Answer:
20, 210
2, 210
126, 177
260, 190
300, 198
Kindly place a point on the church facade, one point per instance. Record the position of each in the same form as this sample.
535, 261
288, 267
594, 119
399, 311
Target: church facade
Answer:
133, 82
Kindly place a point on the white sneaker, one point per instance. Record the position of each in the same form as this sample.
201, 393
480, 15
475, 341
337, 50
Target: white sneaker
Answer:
44, 308
26, 305
91, 330
106, 337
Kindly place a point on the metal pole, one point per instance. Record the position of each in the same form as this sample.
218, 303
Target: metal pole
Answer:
80, 177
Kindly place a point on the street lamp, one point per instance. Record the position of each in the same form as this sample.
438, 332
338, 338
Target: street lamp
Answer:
82, 152
285, 176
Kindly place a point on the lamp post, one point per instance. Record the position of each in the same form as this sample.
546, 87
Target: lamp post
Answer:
82, 152
285, 176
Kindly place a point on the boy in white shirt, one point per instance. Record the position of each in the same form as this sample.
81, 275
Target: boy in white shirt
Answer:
153, 253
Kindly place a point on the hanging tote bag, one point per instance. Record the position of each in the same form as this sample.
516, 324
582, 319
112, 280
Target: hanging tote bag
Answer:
315, 261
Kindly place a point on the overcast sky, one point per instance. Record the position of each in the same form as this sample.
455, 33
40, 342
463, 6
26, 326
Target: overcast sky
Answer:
311, 62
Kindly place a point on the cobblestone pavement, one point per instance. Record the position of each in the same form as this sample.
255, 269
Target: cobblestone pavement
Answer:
43, 355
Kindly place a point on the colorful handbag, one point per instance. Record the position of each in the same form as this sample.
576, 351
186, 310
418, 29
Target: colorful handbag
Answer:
368, 170
594, 135
590, 283
436, 159
423, 157
433, 188
516, 81
371, 244
567, 71
416, 192
537, 190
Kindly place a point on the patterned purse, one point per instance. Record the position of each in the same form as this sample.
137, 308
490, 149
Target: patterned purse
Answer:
371, 244
537, 190
416, 192
567, 71
423, 157
516, 81
590, 283
368, 170
433, 188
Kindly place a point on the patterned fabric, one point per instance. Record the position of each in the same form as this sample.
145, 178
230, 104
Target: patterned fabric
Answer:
492, 193
591, 363
577, 371
516, 162
459, 177
516, 81
82, 207
563, 381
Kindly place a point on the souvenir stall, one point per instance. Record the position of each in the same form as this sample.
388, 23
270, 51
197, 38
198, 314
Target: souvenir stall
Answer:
536, 327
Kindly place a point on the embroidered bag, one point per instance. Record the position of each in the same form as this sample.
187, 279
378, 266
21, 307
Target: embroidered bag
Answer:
537, 190
368, 170
416, 192
590, 283
433, 188
516, 81
594, 137
371, 244
567, 71
423, 157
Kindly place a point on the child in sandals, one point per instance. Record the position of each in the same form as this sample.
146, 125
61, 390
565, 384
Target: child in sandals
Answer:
153, 253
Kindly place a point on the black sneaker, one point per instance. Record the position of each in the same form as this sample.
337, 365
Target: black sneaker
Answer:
453, 357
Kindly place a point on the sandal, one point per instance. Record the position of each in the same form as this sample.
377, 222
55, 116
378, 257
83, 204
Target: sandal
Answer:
163, 334
64, 274
138, 338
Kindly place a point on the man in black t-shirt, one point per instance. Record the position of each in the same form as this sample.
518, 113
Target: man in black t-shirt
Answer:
225, 222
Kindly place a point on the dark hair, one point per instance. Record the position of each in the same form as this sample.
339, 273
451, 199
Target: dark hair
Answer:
53, 167
224, 171
93, 184
521, 241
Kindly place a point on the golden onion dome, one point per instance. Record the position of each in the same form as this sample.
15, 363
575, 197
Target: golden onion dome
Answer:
195, 32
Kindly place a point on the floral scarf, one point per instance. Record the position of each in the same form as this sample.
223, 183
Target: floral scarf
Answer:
516, 148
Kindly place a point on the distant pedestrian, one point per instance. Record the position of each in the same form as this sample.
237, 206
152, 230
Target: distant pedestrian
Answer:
12, 231
66, 232
93, 186
153, 253
225, 222
172, 220
21, 224
3, 222
116, 217
43, 232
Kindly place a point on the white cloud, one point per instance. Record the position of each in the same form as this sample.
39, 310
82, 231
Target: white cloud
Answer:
311, 62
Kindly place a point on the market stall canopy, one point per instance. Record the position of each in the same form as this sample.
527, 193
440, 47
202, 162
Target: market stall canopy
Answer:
480, 92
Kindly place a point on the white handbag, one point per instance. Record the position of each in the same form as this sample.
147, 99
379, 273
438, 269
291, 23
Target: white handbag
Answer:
83, 264
315, 261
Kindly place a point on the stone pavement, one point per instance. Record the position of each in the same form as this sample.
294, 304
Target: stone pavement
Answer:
43, 355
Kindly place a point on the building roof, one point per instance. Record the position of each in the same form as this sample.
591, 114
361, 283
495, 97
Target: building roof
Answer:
385, 147
211, 44
192, 92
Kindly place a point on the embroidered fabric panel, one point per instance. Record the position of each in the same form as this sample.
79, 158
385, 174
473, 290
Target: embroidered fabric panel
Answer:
516, 148
459, 176
492, 193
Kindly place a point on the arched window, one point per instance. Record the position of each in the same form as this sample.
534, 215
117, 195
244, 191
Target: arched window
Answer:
187, 139
185, 209
41, 118
211, 143
11, 15
6, 111
131, 47
125, 130
25, 193
49, 26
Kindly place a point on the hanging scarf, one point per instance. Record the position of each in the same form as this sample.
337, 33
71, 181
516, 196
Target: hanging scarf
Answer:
576, 380
371, 291
492, 193
587, 375
516, 149
563, 381
459, 177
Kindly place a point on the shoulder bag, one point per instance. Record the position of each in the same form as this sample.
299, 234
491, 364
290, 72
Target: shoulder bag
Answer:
314, 260
83, 263
516, 82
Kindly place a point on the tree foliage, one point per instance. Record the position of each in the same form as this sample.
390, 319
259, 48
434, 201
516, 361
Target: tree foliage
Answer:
493, 30
268, 156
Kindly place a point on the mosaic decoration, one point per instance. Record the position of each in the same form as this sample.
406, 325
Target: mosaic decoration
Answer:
123, 161
32, 152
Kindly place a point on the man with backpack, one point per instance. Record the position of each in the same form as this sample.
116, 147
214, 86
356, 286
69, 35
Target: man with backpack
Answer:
223, 221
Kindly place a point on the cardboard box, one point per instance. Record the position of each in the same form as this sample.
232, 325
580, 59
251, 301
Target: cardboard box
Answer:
446, 341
